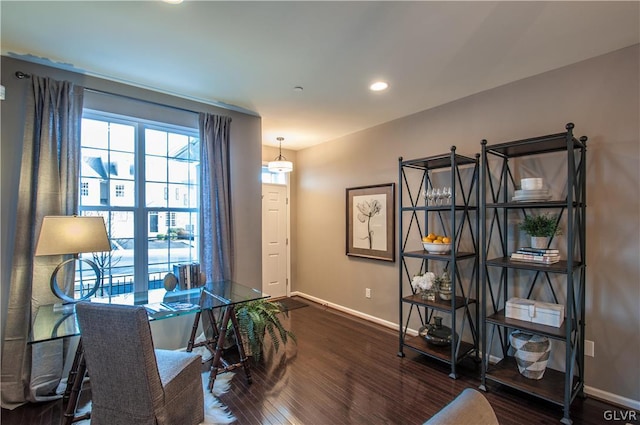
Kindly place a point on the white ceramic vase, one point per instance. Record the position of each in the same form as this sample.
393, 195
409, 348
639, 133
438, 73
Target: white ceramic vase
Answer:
539, 242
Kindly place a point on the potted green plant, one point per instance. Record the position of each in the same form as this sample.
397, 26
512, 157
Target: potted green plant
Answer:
541, 228
258, 318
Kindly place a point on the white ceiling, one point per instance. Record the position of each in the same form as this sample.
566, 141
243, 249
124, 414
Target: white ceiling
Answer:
252, 54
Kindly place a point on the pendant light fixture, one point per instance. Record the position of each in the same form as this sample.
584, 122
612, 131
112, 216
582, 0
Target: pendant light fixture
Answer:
280, 163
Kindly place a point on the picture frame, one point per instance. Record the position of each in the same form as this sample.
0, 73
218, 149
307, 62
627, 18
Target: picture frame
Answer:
370, 222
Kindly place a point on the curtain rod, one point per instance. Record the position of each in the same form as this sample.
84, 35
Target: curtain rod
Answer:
23, 75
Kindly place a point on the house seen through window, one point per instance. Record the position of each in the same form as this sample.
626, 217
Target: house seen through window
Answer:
129, 166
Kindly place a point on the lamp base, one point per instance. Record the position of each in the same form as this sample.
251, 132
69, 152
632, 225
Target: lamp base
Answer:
61, 294
64, 307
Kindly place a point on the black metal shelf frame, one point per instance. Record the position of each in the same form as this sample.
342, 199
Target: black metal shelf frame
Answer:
495, 211
461, 218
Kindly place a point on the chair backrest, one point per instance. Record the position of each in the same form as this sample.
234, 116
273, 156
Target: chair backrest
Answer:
470, 407
121, 361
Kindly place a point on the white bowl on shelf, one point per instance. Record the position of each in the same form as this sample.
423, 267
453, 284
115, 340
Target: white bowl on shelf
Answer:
436, 248
532, 184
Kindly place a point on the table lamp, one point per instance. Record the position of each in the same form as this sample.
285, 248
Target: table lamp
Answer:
60, 235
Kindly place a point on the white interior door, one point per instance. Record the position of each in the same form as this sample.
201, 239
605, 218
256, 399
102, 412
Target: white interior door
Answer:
274, 240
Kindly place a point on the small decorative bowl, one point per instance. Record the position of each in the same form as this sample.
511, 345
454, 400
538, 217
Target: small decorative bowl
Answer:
437, 248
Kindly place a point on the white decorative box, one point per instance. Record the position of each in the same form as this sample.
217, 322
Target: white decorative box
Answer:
535, 311
520, 308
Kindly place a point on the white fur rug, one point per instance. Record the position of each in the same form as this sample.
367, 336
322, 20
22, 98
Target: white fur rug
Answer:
214, 411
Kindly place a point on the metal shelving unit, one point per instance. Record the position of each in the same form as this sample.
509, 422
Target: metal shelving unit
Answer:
563, 282
459, 220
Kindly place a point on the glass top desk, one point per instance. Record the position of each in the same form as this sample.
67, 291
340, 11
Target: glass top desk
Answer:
54, 323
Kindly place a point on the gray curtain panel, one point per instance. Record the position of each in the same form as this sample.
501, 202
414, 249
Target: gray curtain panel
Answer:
216, 249
48, 186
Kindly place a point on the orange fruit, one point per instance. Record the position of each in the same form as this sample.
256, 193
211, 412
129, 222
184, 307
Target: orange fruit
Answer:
438, 241
446, 240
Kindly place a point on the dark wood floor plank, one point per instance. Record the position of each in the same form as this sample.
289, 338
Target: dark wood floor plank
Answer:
345, 370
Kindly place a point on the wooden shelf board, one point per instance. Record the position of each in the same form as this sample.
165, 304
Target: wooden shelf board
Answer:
550, 387
550, 331
439, 208
445, 257
436, 162
441, 352
534, 146
532, 204
559, 267
438, 304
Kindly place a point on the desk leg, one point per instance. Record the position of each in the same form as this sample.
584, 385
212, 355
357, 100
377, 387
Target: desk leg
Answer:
194, 329
229, 316
217, 355
74, 386
73, 372
214, 325
209, 343
243, 358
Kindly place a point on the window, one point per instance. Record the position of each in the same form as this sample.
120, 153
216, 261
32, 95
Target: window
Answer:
271, 177
129, 166
153, 222
171, 219
120, 191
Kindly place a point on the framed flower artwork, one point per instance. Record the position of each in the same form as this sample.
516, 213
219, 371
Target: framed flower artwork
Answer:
371, 221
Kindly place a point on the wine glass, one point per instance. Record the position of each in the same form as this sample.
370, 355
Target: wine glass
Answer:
430, 195
447, 194
438, 196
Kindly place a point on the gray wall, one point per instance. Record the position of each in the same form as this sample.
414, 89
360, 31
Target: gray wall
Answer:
246, 139
600, 96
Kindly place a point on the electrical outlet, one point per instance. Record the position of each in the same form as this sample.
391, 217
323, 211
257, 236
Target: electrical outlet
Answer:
367, 292
589, 348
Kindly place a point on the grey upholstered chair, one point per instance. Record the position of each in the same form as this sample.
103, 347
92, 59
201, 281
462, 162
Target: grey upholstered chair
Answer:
131, 383
470, 407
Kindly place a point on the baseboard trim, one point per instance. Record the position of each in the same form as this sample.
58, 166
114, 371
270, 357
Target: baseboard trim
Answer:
352, 312
591, 391
612, 398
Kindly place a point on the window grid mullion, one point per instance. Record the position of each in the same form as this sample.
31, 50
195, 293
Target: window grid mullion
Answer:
141, 271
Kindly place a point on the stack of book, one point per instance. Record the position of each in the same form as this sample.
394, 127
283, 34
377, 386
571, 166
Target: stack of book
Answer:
536, 255
188, 275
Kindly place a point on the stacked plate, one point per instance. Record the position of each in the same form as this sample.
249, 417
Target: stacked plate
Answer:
532, 190
531, 195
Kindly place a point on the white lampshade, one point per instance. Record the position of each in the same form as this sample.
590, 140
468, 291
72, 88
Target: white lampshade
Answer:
280, 163
72, 235
280, 166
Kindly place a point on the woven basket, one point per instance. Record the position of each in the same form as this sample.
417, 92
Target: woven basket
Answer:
531, 353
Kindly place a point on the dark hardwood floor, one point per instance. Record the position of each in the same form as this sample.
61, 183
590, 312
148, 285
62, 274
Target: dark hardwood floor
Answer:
345, 370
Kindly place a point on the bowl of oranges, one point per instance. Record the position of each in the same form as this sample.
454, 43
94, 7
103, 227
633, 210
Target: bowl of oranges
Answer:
436, 244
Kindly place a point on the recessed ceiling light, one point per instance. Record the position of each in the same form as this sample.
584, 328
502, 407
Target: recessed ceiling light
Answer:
173, 1
379, 86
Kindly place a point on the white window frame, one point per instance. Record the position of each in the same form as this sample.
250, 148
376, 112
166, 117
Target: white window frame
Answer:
140, 210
